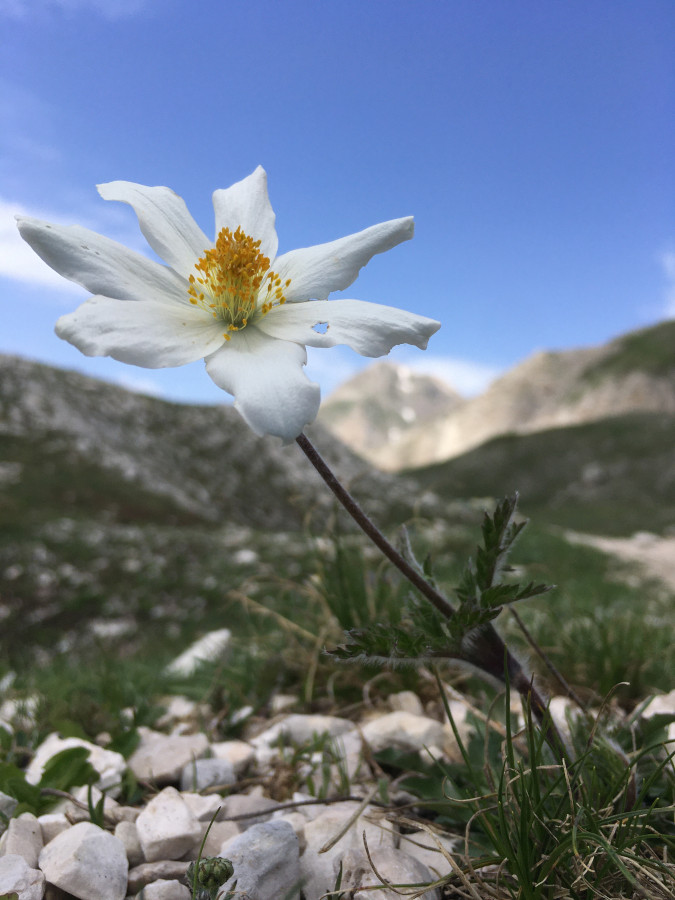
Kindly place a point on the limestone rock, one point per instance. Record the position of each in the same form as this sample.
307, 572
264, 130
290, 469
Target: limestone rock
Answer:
52, 824
87, 862
405, 731
166, 890
319, 869
238, 753
166, 827
127, 833
16, 875
266, 862
161, 758
204, 773
146, 873
427, 849
395, 867
23, 838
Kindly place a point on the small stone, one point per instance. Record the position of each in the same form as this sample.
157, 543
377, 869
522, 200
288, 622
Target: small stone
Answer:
166, 890
52, 824
109, 764
319, 867
219, 832
301, 729
87, 862
203, 806
127, 833
23, 838
183, 712
239, 753
266, 860
406, 701
254, 806
166, 827
404, 731
204, 773
161, 757
394, 866
146, 873
17, 876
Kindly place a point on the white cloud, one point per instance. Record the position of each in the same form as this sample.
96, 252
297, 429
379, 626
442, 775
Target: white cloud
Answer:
108, 9
17, 260
668, 267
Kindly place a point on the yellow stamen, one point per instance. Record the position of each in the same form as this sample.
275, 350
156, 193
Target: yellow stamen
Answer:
237, 282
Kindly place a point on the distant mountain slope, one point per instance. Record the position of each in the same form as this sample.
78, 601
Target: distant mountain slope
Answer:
67, 439
374, 410
634, 373
612, 476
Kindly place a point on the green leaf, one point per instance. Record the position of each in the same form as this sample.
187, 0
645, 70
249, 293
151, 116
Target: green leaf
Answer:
69, 768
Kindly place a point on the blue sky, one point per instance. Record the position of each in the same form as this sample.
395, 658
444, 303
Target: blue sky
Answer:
532, 140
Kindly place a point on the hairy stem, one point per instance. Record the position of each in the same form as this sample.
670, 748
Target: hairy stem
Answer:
488, 651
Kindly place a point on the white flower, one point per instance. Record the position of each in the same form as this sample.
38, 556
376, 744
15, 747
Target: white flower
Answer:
248, 312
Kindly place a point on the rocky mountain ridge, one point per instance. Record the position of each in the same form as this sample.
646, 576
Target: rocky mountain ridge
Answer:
634, 373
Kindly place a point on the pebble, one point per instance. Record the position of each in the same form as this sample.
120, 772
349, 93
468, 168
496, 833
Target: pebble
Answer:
87, 862
167, 828
266, 860
23, 838
394, 866
204, 773
161, 758
166, 890
410, 732
16, 875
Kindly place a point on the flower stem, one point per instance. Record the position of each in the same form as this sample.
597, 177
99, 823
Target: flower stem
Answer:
488, 653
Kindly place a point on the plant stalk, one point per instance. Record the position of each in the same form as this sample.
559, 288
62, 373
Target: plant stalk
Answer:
488, 650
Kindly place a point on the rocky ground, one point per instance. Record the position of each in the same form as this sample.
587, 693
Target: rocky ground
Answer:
653, 555
278, 848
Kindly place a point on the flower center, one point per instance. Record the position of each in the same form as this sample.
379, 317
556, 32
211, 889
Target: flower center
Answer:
234, 282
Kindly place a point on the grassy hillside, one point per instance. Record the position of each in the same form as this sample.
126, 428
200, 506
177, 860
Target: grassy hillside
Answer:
613, 476
650, 350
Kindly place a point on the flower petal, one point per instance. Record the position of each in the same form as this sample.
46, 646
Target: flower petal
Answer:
317, 271
246, 205
148, 334
271, 391
165, 222
100, 265
369, 328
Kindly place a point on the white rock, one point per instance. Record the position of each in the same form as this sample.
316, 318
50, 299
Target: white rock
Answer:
219, 832
281, 702
203, 807
16, 875
255, 806
23, 838
181, 710
204, 773
301, 729
266, 862
297, 822
319, 869
405, 731
425, 849
395, 866
160, 757
52, 824
166, 827
127, 833
663, 703
109, 764
207, 649
239, 753
87, 862
166, 890
406, 701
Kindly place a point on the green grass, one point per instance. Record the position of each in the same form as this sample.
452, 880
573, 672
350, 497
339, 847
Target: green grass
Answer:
614, 476
650, 350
